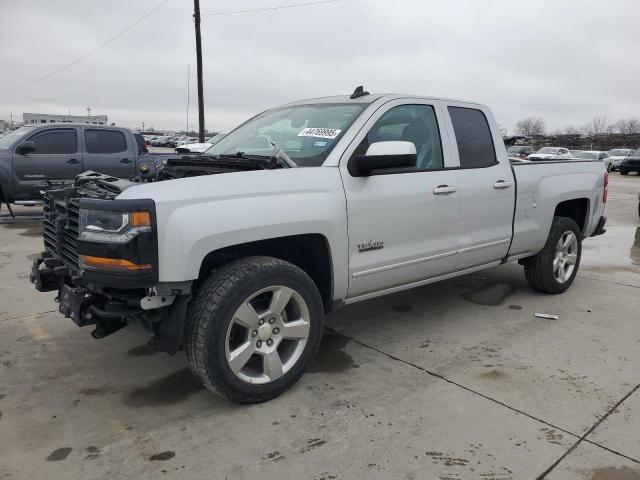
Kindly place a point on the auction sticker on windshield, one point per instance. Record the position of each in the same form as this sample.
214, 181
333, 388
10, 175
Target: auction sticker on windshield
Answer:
320, 132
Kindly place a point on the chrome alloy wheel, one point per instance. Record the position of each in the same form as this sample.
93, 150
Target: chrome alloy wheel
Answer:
564, 262
267, 334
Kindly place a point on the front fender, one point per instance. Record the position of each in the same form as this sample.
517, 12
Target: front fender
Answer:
196, 216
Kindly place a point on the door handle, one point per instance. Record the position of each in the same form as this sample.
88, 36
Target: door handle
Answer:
73, 160
502, 184
444, 190
125, 160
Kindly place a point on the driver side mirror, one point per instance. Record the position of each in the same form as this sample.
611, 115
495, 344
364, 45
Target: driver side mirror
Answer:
383, 156
25, 147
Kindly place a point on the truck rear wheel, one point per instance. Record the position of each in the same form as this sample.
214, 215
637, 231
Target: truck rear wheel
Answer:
555, 267
253, 327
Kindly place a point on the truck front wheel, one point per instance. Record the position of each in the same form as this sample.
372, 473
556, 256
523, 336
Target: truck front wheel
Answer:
253, 327
555, 267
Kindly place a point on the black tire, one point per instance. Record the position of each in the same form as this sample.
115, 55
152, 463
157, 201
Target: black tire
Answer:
623, 172
212, 309
539, 268
609, 168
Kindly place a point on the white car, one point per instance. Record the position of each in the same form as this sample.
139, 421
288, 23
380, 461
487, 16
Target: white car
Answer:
551, 153
617, 155
595, 155
199, 147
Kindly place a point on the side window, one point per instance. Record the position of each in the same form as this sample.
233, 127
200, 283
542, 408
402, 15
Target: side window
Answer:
105, 141
475, 145
410, 123
140, 141
55, 142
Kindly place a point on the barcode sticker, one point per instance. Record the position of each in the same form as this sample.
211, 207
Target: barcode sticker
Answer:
330, 133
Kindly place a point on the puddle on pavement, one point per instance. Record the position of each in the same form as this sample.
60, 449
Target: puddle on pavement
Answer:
29, 229
490, 295
635, 248
331, 357
59, 454
614, 473
616, 251
169, 390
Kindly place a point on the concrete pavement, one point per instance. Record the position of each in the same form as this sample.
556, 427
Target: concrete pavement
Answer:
456, 380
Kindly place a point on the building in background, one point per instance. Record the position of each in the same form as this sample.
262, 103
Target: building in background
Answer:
38, 118
4, 126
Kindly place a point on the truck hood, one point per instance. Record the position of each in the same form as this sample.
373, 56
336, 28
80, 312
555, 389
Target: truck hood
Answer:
237, 185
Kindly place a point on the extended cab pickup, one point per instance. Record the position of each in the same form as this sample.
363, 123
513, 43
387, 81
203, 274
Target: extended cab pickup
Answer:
31, 156
237, 255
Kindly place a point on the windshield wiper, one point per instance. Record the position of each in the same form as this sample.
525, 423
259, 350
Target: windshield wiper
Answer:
277, 159
280, 156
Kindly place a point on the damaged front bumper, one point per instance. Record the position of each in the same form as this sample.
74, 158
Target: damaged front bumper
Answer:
161, 310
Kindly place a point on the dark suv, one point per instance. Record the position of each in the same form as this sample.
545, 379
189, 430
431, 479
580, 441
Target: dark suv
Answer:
520, 151
631, 163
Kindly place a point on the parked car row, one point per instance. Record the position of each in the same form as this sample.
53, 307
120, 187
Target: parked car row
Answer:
624, 159
171, 141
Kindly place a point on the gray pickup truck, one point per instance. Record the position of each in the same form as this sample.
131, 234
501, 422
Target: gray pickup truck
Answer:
31, 156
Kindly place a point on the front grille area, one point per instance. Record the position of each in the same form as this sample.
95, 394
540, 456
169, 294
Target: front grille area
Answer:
61, 228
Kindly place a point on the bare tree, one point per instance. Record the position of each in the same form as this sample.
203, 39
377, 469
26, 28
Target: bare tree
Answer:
598, 125
530, 127
628, 126
572, 130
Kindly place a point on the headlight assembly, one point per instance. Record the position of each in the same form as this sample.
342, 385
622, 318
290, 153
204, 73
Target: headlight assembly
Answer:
114, 227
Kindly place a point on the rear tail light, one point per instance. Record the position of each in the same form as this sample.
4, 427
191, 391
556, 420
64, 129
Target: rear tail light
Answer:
605, 194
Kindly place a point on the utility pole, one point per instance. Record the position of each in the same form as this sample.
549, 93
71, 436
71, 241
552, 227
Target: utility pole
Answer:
196, 19
188, 94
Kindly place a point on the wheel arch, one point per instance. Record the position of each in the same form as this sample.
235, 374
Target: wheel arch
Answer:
310, 252
577, 209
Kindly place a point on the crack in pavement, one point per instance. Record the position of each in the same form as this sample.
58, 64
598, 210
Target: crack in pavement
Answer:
609, 282
514, 409
589, 432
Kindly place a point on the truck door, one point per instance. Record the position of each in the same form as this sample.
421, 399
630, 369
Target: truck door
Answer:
487, 189
56, 157
401, 224
108, 151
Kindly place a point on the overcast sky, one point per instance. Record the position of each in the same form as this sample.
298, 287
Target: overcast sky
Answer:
563, 60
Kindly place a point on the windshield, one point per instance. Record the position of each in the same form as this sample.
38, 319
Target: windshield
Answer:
14, 137
618, 153
306, 133
587, 155
216, 138
547, 150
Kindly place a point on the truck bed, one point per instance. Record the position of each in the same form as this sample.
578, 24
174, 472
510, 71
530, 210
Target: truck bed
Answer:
541, 185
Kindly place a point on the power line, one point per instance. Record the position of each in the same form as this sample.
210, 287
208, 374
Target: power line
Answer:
103, 44
266, 9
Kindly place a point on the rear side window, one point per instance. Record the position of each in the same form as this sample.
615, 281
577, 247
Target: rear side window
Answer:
473, 136
105, 141
142, 144
55, 142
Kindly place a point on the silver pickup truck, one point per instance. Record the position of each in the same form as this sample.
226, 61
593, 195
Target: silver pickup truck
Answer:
236, 256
